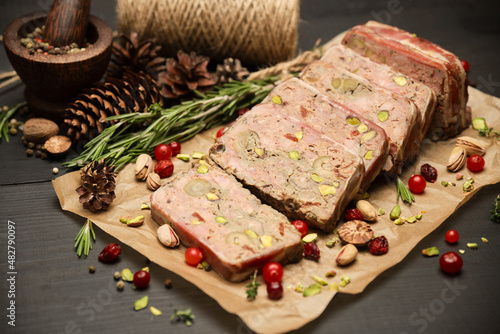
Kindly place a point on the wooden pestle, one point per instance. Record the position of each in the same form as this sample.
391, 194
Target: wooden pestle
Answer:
67, 22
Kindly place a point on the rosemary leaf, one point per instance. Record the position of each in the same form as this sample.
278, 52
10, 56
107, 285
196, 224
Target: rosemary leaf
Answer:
5, 117
180, 123
404, 192
83, 240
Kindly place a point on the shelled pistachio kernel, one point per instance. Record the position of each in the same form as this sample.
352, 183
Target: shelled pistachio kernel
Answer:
266, 240
251, 234
294, 155
369, 155
411, 220
336, 83
353, 121
383, 115
399, 221
202, 169
400, 80
220, 220
325, 189
183, 157
349, 84
259, 151
155, 311
212, 197
316, 178
299, 135
368, 136
277, 99
195, 222
362, 128
197, 155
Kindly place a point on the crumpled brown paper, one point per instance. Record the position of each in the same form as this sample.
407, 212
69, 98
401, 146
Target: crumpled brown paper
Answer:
293, 310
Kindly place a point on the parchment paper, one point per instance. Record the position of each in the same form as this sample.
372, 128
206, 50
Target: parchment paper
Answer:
293, 310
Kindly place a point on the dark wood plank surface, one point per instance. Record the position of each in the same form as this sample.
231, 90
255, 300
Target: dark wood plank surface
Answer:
56, 294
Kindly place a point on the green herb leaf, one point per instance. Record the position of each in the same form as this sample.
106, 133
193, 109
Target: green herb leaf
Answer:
252, 287
186, 316
83, 240
404, 192
5, 117
495, 213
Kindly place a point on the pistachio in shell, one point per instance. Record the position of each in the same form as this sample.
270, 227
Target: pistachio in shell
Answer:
457, 159
472, 145
167, 236
355, 232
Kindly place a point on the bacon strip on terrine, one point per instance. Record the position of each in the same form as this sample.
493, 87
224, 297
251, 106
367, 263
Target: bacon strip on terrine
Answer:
290, 166
339, 123
236, 233
382, 75
423, 61
397, 115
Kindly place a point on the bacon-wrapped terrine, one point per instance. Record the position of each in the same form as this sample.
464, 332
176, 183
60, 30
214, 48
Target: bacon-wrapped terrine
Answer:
289, 165
339, 123
424, 61
236, 233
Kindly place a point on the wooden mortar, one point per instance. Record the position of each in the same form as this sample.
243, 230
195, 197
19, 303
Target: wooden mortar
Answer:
51, 80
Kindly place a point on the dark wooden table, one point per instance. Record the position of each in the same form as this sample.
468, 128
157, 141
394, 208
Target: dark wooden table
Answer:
54, 292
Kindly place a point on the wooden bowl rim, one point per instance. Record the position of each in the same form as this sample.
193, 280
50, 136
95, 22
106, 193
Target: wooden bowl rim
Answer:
11, 41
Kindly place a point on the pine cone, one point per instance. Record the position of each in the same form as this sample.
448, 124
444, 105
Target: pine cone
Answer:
98, 185
85, 117
230, 70
134, 55
185, 75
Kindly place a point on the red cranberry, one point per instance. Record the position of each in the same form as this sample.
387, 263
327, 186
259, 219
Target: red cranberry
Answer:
141, 279
110, 252
311, 251
164, 168
379, 245
274, 290
353, 214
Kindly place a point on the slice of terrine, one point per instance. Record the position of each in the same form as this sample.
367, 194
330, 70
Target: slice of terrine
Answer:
290, 166
339, 123
397, 115
237, 234
423, 61
382, 75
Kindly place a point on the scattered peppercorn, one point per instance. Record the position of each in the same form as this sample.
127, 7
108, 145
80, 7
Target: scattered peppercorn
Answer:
29, 152
120, 285
91, 269
168, 283
117, 275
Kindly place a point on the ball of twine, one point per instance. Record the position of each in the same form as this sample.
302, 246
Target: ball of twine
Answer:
258, 32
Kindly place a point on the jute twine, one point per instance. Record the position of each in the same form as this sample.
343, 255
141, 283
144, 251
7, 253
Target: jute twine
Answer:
258, 32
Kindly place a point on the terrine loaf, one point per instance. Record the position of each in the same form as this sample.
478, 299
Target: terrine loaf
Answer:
339, 123
236, 233
289, 165
397, 115
382, 75
424, 61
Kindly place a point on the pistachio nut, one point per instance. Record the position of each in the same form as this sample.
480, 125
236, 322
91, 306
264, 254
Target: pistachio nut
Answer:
167, 236
458, 157
368, 211
143, 166
471, 145
347, 254
153, 181
395, 212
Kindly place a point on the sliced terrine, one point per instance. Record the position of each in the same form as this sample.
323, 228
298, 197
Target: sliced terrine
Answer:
382, 75
290, 166
236, 233
339, 123
424, 61
397, 115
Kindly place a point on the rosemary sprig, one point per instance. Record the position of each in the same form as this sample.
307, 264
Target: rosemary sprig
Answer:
252, 287
179, 315
178, 123
83, 241
404, 192
5, 117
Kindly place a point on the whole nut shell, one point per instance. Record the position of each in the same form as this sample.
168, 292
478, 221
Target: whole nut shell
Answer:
355, 232
458, 157
471, 145
143, 166
153, 181
167, 236
347, 254
368, 211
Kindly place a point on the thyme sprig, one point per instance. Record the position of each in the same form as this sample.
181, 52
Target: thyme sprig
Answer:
83, 240
181, 122
252, 287
495, 213
179, 315
404, 192
5, 117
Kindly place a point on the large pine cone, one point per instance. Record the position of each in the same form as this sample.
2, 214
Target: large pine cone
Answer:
97, 191
134, 55
184, 75
86, 116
